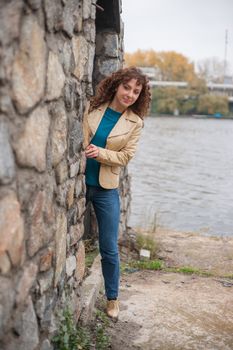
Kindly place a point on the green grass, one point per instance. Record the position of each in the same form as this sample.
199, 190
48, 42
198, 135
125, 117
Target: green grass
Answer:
147, 242
90, 257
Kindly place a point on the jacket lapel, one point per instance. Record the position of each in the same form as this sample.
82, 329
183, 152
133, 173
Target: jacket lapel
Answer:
122, 127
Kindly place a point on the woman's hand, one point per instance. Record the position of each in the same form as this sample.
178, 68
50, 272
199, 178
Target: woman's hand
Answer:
91, 151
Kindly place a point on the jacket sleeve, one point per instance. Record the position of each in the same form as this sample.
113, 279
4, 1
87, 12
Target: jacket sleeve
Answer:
122, 157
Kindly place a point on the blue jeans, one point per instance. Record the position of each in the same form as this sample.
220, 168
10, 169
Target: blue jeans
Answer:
106, 204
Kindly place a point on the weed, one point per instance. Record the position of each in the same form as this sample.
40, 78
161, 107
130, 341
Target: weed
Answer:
147, 264
70, 337
147, 242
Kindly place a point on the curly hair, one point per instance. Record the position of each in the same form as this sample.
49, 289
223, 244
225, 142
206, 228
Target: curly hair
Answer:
106, 90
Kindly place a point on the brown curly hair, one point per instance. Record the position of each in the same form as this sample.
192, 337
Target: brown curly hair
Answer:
106, 90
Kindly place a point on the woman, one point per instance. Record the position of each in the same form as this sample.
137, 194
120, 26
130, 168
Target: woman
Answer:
112, 125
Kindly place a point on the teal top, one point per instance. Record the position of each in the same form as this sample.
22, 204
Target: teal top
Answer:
107, 123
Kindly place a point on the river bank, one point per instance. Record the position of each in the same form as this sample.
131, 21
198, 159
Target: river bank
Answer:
167, 311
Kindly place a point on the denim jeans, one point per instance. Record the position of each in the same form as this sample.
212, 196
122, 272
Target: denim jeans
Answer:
106, 204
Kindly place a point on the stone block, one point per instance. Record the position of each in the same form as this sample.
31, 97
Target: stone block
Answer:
45, 281
66, 57
7, 296
76, 233
46, 345
80, 259
80, 48
55, 77
90, 63
58, 134
12, 230
83, 161
80, 186
5, 264
70, 265
26, 327
7, 164
81, 205
10, 28
53, 15
74, 168
61, 232
30, 147
34, 4
107, 44
61, 171
108, 66
39, 213
40, 306
25, 282
70, 193
87, 7
75, 138
29, 68
46, 260
89, 30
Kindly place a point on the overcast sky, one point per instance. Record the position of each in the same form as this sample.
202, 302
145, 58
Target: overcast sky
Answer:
195, 28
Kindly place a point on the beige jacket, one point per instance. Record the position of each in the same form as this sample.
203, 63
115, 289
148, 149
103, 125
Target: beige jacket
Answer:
121, 143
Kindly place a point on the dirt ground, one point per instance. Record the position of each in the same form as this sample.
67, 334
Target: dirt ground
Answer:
173, 311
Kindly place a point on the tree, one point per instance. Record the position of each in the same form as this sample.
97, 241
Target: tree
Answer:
212, 69
211, 104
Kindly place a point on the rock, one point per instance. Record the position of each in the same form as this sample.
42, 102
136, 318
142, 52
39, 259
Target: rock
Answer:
5, 264
40, 306
29, 68
46, 260
34, 4
81, 207
25, 282
87, 7
109, 66
74, 168
81, 51
46, 345
75, 138
61, 171
59, 134
89, 31
39, 232
55, 77
80, 258
90, 63
76, 233
60, 238
79, 186
27, 328
31, 145
53, 15
12, 230
107, 44
7, 295
7, 164
70, 265
10, 28
45, 281
66, 57
70, 193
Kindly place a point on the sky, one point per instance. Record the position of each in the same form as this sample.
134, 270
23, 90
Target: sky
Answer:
195, 28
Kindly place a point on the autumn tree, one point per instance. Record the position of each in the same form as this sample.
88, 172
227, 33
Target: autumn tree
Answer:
170, 65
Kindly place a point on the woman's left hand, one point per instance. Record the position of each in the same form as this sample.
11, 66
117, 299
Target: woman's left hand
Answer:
91, 151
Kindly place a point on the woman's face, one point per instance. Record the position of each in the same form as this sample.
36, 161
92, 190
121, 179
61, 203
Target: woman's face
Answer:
127, 93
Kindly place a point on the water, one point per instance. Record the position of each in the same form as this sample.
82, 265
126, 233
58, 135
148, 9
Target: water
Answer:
182, 175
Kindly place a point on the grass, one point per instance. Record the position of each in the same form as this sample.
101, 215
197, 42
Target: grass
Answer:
75, 337
144, 241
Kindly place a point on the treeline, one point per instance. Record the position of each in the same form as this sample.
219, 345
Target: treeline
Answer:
173, 66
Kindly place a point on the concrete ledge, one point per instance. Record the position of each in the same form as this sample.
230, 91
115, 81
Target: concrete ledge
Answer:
90, 291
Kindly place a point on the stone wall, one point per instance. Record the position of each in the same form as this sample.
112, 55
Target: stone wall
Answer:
47, 72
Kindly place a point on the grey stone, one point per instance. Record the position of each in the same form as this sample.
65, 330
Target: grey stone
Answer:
58, 134
7, 166
11, 228
67, 17
28, 78
60, 238
34, 4
107, 44
40, 306
45, 281
89, 30
78, 19
87, 5
80, 48
70, 265
90, 63
55, 77
39, 232
5, 264
31, 145
26, 281
80, 259
81, 205
66, 57
75, 138
76, 233
27, 328
61, 171
109, 66
10, 15
74, 168
46, 345
7, 296
53, 15
79, 186
46, 259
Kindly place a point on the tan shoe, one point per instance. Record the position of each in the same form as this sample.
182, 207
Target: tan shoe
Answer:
113, 308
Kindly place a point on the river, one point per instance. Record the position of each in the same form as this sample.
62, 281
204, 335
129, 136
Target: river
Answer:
182, 176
